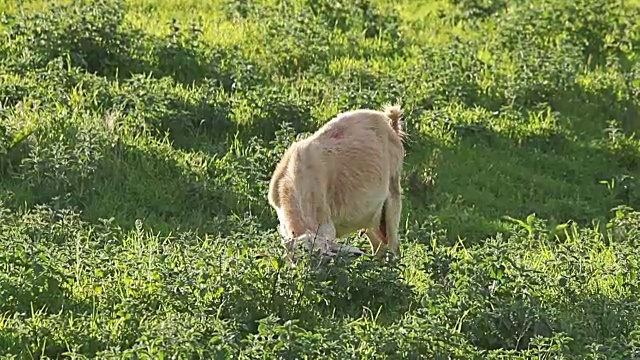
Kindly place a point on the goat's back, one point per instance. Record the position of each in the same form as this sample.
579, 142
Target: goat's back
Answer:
345, 167
361, 150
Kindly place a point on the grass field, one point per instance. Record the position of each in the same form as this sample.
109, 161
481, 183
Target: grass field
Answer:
137, 140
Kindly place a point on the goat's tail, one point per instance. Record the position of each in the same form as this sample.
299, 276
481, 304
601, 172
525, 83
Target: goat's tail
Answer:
394, 113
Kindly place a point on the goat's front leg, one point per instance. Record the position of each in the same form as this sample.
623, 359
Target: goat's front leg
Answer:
326, 231
327, 243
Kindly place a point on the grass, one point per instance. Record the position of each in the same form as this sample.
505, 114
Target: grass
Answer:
137, 140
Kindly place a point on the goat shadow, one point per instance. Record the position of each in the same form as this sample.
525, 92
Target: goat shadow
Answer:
344, 286
127, 182
467, 185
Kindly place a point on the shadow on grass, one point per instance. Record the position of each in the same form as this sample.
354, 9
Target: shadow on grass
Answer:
126, 183
364, 286
486, 175
587, 110
504, 296
38, 286
102, 45
513, 322
320, 293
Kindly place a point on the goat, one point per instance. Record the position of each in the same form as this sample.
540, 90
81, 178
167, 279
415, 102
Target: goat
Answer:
343, 178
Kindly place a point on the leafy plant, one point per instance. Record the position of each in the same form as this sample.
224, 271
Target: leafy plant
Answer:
137, 143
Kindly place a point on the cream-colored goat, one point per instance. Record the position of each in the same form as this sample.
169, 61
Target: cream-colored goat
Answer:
343, 178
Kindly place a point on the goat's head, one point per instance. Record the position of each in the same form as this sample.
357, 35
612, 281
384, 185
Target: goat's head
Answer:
312, 241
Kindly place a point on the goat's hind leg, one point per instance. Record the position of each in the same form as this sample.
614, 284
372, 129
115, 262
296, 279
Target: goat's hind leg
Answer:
376, 240
392, 214
327, 233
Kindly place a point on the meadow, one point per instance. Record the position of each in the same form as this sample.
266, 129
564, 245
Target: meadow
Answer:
137, 139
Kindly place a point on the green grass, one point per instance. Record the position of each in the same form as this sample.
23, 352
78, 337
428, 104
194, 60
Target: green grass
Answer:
135, 156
